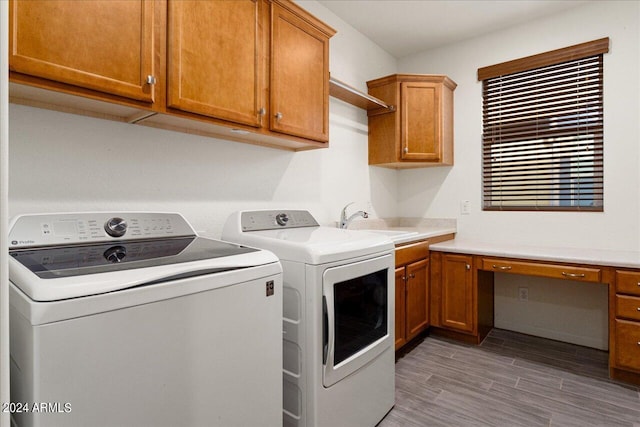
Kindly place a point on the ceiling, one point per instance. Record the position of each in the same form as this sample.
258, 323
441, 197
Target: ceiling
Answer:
405, 27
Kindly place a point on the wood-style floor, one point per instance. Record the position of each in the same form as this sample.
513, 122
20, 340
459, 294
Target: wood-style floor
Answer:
510, 379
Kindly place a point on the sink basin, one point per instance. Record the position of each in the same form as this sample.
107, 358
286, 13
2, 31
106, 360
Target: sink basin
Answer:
393, 234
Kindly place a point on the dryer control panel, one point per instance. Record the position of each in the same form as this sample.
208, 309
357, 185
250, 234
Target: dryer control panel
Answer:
76, 228
274, 220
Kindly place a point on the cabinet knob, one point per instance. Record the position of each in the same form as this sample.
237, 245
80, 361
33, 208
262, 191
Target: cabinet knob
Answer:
278, 115
262, 111
412, 276
406, 150
151, 79
467, 266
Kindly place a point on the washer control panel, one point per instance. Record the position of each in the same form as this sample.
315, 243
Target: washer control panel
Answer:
274, 220
73, 228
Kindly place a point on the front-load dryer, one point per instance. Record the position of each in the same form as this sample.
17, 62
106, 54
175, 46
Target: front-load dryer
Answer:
338, 323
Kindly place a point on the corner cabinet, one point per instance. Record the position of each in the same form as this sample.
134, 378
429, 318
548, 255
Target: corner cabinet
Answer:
412, 291
419, 132
248, 70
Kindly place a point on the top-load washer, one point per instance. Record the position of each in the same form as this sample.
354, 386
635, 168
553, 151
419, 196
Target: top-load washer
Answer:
131, 319
338, 323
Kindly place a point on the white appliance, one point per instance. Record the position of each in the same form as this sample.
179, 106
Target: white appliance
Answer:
338, 316
131, 319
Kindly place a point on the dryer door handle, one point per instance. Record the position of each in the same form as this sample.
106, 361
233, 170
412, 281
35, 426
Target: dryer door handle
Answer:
325, 330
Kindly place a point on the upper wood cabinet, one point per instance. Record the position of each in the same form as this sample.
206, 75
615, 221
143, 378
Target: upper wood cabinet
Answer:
247, 70
105, 46
299, 84
215, 54
419, 132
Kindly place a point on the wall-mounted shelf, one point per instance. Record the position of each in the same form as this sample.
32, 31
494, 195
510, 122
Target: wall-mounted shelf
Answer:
353, 96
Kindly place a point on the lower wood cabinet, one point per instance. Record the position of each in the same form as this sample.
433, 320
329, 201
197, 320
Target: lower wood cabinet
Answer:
412, 291
625, 342
461, 297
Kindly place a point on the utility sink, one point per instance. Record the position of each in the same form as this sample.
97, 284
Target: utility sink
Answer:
394, 235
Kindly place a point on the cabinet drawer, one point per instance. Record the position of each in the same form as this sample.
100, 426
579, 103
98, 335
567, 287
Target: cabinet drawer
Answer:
628, 282
628, 307
627, 345
410, 253
557, 271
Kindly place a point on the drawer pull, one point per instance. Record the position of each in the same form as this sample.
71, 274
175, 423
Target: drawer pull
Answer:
502, 267
579, 275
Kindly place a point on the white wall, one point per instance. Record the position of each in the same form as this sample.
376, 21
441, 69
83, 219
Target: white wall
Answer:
4, 186
63, 162
438, 192
617, 227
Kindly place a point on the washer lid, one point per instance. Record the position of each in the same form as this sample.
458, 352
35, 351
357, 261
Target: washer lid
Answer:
52, 274
67, 261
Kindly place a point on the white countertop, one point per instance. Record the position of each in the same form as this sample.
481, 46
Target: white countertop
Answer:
603, 257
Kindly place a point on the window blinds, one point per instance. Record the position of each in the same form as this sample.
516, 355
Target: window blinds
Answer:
542, 144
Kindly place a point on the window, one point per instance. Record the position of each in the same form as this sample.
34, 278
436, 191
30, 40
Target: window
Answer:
542, 142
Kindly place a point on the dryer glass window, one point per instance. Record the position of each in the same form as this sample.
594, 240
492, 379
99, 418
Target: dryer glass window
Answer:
360, 313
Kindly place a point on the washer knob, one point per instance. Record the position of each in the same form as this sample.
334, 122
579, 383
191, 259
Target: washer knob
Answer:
115, 227
282, 219
115, 254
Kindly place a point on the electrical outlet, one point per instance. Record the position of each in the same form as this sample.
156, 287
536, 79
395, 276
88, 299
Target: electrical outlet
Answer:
464, 207
523, 294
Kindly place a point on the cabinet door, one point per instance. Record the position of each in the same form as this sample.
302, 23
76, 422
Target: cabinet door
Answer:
458, 299
401, 336
299, 82
214, 59
421, 122
417, 298
103, 45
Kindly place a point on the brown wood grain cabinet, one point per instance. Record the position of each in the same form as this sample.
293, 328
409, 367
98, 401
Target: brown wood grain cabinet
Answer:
247, 70
412, 291
105, 46
215, 59
299, 83
625, 348
419, 132
461, 297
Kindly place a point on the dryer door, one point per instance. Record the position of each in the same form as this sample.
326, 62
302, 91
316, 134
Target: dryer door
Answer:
358, 313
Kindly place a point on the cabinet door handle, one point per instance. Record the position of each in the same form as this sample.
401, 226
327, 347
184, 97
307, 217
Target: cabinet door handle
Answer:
467, 266
501, 267
262, 111
278, 115
638, 308
151, 79
412, 276
578, 275
406, 150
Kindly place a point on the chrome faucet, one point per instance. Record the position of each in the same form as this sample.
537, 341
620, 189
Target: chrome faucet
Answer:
344, 221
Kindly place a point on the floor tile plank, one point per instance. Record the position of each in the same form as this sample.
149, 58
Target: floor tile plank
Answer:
511, 379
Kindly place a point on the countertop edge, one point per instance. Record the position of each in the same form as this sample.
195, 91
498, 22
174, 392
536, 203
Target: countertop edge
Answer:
599, 257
